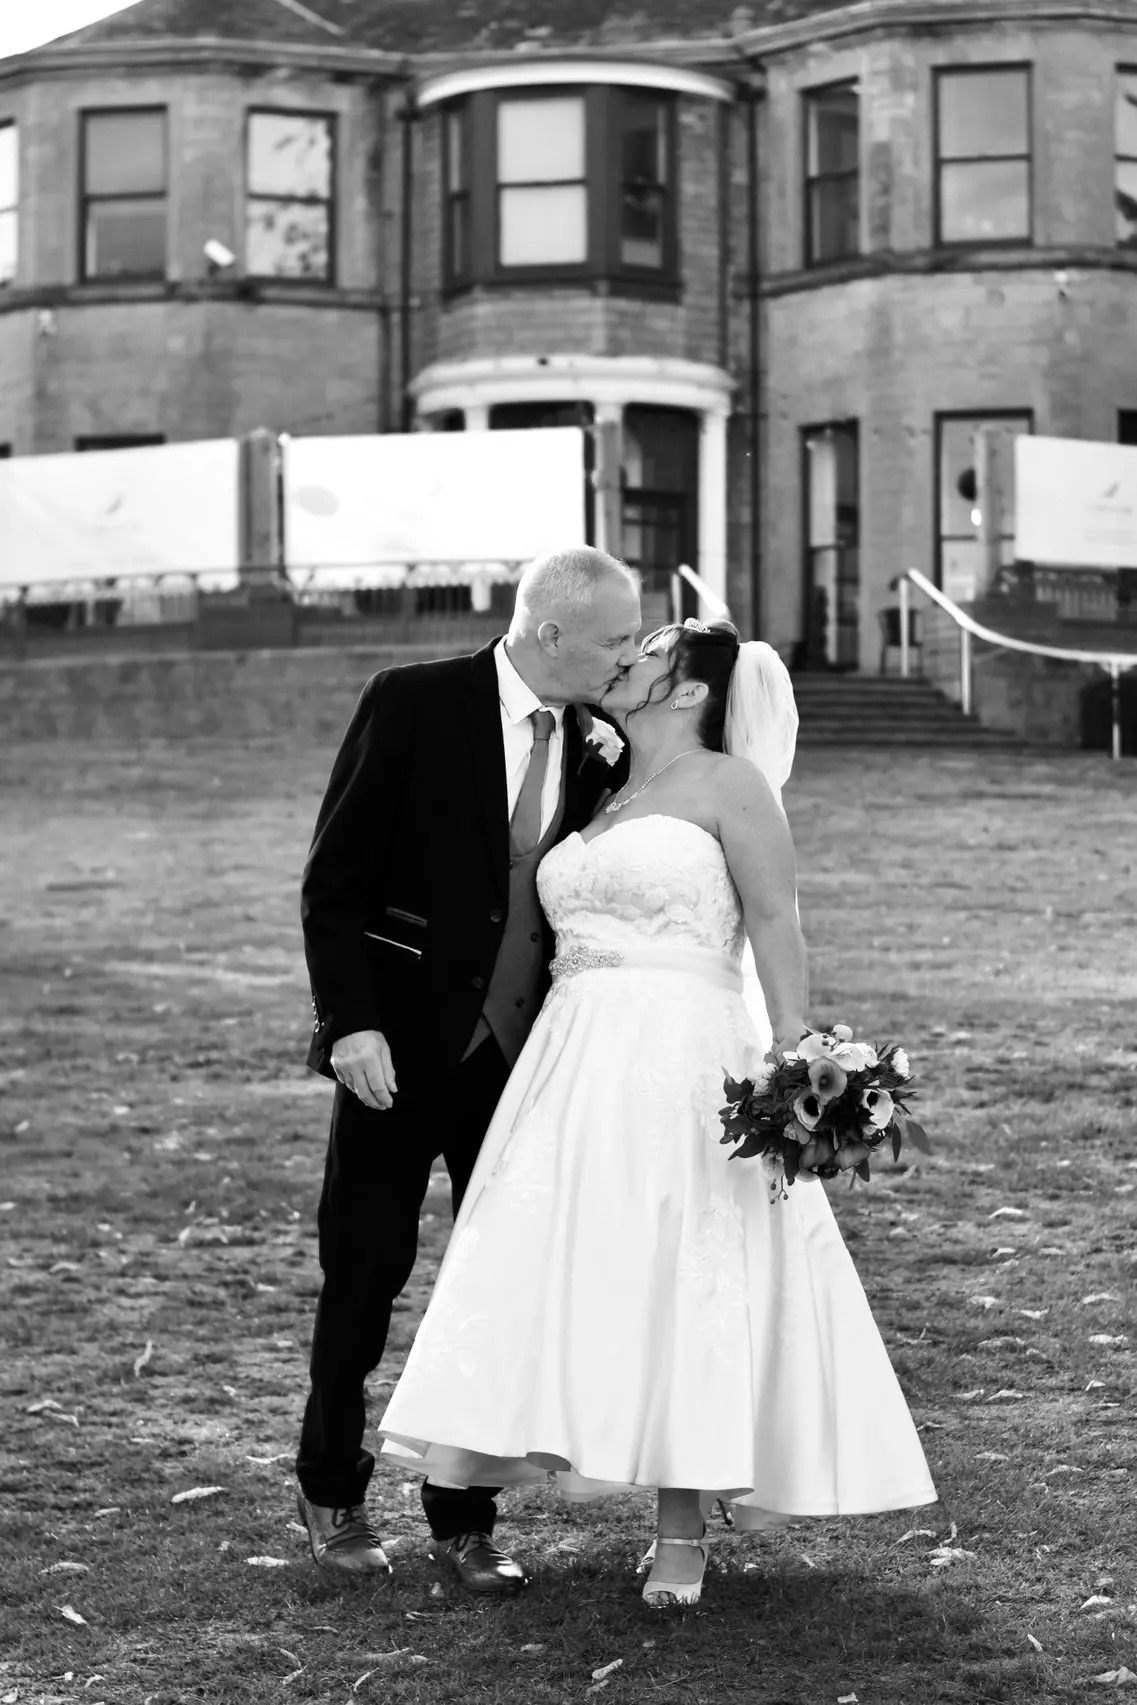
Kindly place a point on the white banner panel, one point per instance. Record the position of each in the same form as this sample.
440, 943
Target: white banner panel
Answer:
90, 516
432, 497
1075, 503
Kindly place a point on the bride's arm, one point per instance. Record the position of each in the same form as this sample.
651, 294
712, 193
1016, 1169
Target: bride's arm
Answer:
760, 854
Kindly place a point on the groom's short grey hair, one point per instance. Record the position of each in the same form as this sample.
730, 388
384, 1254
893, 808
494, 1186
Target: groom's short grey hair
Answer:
564, 584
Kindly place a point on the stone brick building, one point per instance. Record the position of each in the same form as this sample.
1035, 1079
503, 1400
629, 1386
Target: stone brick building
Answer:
782, 259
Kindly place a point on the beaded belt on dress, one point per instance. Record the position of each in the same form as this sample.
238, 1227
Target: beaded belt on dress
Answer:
576, 956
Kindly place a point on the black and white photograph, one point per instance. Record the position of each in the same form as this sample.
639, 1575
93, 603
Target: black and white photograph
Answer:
568, 852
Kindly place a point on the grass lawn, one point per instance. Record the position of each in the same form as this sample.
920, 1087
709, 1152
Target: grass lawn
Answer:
161, 1148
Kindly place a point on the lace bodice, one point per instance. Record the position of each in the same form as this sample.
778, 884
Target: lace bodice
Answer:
648, 879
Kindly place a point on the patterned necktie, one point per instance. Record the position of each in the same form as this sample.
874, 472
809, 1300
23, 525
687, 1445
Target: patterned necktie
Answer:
525, 824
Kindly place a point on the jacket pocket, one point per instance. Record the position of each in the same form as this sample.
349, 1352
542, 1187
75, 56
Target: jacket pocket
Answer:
405, 917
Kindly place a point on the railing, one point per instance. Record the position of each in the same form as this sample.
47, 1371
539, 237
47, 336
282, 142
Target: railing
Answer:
968, 630
435, 604
448, 605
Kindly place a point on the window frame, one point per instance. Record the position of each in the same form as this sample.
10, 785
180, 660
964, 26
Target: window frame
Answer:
12, 211
288, 280
988, 68
602, 104
981, 417
810, 180
456, 115
554, 269
847, 655
615, 187
1121, 72
86, 199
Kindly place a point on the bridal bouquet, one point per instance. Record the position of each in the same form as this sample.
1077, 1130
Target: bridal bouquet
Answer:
824, 1107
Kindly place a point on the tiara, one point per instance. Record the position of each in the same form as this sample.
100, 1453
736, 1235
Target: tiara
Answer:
696, 626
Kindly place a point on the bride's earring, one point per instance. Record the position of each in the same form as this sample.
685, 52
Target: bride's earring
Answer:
675, 704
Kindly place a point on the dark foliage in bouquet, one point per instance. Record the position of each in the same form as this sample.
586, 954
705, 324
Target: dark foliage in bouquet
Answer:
824, 1107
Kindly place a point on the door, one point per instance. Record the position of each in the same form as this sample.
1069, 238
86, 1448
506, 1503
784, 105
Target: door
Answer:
832, 569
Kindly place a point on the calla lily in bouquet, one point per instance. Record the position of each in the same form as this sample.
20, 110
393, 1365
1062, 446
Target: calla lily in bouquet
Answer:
823, 1107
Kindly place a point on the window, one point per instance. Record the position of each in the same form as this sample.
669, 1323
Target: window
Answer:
832, 173
1125, 163
9, 201
290, 196
1127, 426
832, 574
542, 187
456, 149
5, 452
645, 161
560, 184
124, 193
983, 155
121, 441
960, 565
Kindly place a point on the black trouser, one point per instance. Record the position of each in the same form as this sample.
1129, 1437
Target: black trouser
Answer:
375, 1179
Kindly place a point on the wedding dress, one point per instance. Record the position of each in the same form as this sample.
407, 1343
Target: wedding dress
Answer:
621, 1305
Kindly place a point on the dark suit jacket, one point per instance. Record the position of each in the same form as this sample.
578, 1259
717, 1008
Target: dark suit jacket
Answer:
406, 886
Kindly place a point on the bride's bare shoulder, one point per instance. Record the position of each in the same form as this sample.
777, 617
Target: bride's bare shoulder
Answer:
738, 776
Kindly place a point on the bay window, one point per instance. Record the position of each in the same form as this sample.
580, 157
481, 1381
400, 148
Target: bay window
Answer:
559, 184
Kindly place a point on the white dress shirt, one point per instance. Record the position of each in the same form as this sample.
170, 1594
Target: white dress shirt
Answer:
517, 703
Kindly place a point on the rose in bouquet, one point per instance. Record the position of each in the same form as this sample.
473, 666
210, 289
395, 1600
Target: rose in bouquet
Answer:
823, 1107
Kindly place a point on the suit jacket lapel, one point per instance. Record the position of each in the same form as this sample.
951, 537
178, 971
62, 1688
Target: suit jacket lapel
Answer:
487, 758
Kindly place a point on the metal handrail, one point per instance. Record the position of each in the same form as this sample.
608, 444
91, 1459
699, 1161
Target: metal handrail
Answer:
1114, 663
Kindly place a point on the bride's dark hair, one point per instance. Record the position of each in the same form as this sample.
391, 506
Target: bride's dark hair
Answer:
698, 655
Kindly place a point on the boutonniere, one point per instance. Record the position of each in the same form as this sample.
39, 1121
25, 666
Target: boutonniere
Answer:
600, 738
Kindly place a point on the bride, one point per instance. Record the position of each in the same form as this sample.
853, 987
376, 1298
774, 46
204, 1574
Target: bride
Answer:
621, 1306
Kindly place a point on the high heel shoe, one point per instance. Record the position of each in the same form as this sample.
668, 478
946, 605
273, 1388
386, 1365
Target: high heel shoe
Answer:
660, 1594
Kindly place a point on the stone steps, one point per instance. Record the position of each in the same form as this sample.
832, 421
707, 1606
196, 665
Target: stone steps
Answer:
855, 710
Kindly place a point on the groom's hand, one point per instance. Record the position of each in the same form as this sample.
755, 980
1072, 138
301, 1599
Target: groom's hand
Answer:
362, 1062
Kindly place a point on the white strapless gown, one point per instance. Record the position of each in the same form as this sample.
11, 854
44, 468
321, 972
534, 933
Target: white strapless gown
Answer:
621, 1305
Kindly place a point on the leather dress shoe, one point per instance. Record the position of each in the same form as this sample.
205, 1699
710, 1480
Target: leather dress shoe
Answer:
478, 1563
343, 1539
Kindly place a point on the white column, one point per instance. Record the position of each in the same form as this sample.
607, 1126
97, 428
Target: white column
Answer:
712, 500
477, 417
609, 422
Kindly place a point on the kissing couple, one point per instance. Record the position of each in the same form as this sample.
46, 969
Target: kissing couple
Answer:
538, 879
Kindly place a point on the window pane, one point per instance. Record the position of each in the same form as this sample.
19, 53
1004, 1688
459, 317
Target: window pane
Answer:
957, 454
126, 153
1126, 121
983, 114
289, 155
287, 239
641, 228
834, 219
834, 131
1125, 200
127, 239
644, 140
540, 141
9, 167
455, 150
985, 201
544, 227
7, 246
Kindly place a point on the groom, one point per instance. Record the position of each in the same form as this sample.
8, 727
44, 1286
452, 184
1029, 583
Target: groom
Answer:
427, 953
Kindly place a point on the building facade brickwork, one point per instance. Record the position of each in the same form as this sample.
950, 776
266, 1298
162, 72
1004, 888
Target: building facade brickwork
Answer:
887, 340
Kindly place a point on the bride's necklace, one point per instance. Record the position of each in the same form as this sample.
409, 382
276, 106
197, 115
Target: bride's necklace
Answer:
619, 804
